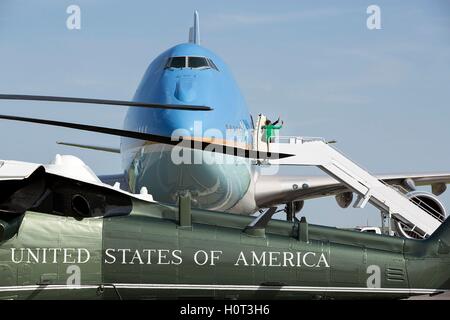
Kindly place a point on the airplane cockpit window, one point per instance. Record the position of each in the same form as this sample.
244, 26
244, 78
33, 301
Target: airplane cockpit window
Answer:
212, 65
176, 62
198, 62
191, 62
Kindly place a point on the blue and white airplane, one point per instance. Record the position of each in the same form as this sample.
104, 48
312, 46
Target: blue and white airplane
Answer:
190, 74
169, 98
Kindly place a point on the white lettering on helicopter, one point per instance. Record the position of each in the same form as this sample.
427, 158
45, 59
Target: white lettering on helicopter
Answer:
282, 259
144, 256
50, 255
307, 259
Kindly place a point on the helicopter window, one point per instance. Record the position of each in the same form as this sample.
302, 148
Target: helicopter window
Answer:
176, 62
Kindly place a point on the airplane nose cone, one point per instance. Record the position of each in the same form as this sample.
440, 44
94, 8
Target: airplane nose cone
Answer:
185, 89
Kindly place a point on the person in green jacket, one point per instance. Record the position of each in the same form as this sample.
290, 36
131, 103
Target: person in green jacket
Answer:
270, 130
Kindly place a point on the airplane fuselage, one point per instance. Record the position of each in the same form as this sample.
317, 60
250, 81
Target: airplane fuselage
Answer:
191, 74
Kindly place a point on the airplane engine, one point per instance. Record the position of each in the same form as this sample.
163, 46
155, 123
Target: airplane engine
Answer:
429, 203
344, 199
298, 205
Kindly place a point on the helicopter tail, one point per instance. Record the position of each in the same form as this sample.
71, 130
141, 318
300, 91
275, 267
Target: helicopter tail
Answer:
428, 261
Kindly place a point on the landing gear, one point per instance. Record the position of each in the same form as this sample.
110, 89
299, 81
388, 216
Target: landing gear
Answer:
292, 208
289, 211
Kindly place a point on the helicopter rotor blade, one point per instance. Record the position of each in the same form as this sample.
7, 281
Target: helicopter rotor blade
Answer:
182, 141
25, 97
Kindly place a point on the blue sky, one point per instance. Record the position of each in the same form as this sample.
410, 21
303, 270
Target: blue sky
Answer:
383, 94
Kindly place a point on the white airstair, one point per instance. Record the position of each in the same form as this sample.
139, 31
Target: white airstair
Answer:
317, 152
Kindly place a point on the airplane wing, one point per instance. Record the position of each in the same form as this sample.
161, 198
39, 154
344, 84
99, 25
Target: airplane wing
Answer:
275, 190
89, 147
